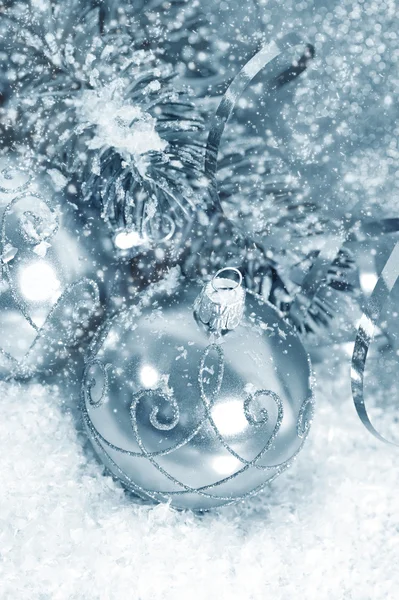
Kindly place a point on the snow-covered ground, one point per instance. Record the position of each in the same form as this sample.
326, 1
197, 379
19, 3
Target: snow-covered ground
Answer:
326, 529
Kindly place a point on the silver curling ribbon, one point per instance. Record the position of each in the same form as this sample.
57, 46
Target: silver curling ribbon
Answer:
318, 272
365, 335
284, 58
350, 229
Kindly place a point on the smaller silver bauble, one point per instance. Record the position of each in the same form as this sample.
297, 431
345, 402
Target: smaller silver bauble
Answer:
197, 396
56, 269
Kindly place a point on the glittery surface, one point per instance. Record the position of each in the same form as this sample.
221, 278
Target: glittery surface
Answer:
326, 529
197, 420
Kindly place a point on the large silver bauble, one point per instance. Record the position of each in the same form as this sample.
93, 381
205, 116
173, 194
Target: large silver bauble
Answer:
55, 265
180, 412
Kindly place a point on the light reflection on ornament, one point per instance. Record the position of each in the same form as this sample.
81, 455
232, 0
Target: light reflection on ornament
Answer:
229, 417
226, 465
149, 376
128, 239
39, 282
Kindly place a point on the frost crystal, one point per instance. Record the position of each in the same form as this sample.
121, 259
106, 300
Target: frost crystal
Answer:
126, 128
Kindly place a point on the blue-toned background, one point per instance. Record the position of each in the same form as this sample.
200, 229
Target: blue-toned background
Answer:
328, 528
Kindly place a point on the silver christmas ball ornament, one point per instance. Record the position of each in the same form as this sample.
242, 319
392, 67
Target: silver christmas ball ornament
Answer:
55, 269
197, 395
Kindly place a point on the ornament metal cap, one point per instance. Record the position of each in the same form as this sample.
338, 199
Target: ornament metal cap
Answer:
221, 302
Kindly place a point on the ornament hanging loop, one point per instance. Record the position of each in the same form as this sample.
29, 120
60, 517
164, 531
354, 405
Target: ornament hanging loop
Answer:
220, 305
219, 285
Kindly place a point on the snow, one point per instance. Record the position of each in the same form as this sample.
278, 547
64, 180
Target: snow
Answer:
328, 528
118, 124
325, 530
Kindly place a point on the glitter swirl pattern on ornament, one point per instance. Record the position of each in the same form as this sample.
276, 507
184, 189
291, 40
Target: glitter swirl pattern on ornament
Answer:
178, 416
